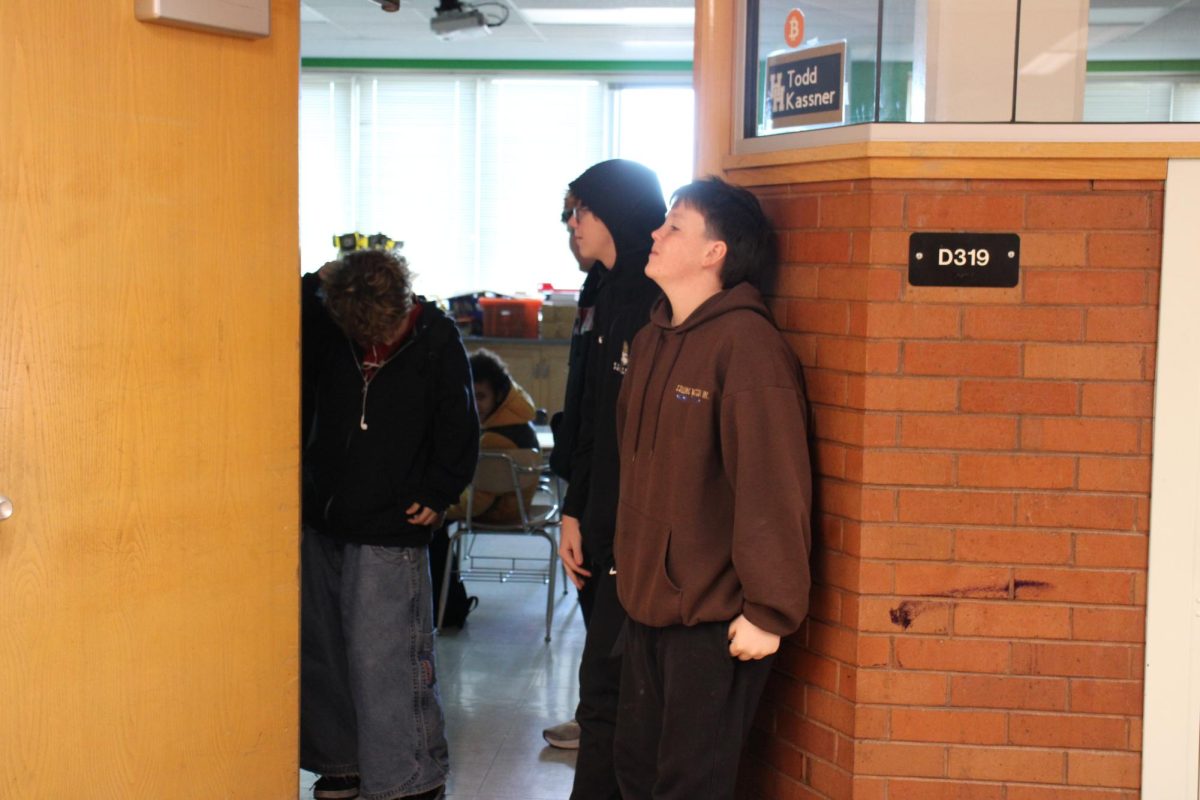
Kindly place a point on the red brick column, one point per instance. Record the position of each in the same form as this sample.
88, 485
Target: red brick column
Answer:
983, 462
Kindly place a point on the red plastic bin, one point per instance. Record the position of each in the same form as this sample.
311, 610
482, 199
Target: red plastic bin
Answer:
514, 318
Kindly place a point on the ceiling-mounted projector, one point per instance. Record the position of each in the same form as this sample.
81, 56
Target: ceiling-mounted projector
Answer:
453, 20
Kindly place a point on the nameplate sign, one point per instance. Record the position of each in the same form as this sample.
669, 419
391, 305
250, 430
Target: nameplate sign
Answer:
964, 259
806, 87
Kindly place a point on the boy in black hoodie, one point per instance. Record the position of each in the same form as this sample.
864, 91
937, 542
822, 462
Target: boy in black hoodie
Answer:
620, 203
565, 425
391, 438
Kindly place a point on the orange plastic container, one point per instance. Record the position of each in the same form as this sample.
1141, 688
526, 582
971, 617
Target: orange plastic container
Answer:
514, 318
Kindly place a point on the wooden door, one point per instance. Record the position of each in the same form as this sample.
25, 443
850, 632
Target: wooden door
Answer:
148, 406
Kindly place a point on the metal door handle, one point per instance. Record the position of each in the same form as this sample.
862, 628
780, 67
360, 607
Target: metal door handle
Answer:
6, 508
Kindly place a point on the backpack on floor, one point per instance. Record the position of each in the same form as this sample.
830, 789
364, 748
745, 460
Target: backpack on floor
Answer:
458, 603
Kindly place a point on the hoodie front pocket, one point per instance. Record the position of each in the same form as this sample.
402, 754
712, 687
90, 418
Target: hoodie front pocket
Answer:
642, 549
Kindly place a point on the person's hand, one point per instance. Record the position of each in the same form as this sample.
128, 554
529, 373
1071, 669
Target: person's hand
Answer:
421, 515
748, 642
570, 550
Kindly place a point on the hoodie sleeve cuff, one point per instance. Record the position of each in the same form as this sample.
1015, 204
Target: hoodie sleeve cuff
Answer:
438, 504
769, 619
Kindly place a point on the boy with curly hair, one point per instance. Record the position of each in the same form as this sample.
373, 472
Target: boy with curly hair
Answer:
390, 440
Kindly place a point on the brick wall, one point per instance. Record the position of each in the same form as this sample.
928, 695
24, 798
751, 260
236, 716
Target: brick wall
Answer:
983, 460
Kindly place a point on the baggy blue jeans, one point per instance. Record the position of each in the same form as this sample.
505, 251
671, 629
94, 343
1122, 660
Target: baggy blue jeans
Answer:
369, 702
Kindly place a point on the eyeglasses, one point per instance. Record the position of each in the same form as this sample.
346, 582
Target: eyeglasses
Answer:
578, 211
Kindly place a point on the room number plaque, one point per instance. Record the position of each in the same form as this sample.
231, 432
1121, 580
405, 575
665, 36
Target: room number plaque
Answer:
964, 259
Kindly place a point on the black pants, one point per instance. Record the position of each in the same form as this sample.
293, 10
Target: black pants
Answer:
686, 709
587, 598
599, 682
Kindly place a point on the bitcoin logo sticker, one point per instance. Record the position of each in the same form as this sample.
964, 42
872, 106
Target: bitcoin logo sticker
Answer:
793, 28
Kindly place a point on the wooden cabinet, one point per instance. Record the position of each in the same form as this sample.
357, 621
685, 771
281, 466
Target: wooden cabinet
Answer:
539, 365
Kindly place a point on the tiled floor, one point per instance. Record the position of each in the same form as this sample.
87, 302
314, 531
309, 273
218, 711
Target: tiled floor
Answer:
501, 684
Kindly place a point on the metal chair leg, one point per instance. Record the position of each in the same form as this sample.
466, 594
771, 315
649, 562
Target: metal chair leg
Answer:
563, 569
450, 559
551, 573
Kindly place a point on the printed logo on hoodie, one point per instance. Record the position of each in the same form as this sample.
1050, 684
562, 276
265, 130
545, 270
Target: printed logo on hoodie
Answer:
622, 365
690, 394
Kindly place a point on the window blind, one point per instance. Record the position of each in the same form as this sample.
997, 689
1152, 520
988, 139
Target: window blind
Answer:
327, 181
1127, 101
469, 171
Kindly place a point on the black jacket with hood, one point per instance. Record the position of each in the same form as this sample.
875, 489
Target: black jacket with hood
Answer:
627, 198
566, 424
421, 436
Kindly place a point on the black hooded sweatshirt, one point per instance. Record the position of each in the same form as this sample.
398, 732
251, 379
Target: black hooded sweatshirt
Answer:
627, 198
566, 424
421, 439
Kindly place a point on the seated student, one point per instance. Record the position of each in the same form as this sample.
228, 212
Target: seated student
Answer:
713, 530
506, 413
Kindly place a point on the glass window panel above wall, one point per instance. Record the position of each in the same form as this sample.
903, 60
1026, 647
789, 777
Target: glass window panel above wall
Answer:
905, 60
897, 44
1108, 61
980, 60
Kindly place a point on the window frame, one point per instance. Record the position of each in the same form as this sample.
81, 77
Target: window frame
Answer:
919, 132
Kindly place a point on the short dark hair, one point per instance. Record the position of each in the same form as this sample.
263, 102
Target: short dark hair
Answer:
489, 368
369, 294
733, 215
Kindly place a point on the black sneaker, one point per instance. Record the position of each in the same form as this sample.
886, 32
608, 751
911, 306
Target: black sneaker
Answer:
336, 787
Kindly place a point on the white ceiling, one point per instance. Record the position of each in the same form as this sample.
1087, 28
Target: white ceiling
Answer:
361, 29
1120, 29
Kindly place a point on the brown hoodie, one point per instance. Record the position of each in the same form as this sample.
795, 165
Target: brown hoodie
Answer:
716, 484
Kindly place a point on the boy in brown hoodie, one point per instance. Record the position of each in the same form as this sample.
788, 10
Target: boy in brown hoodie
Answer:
712, 537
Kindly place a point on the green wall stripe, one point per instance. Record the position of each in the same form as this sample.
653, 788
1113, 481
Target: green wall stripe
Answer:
1178, 65
507, 65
